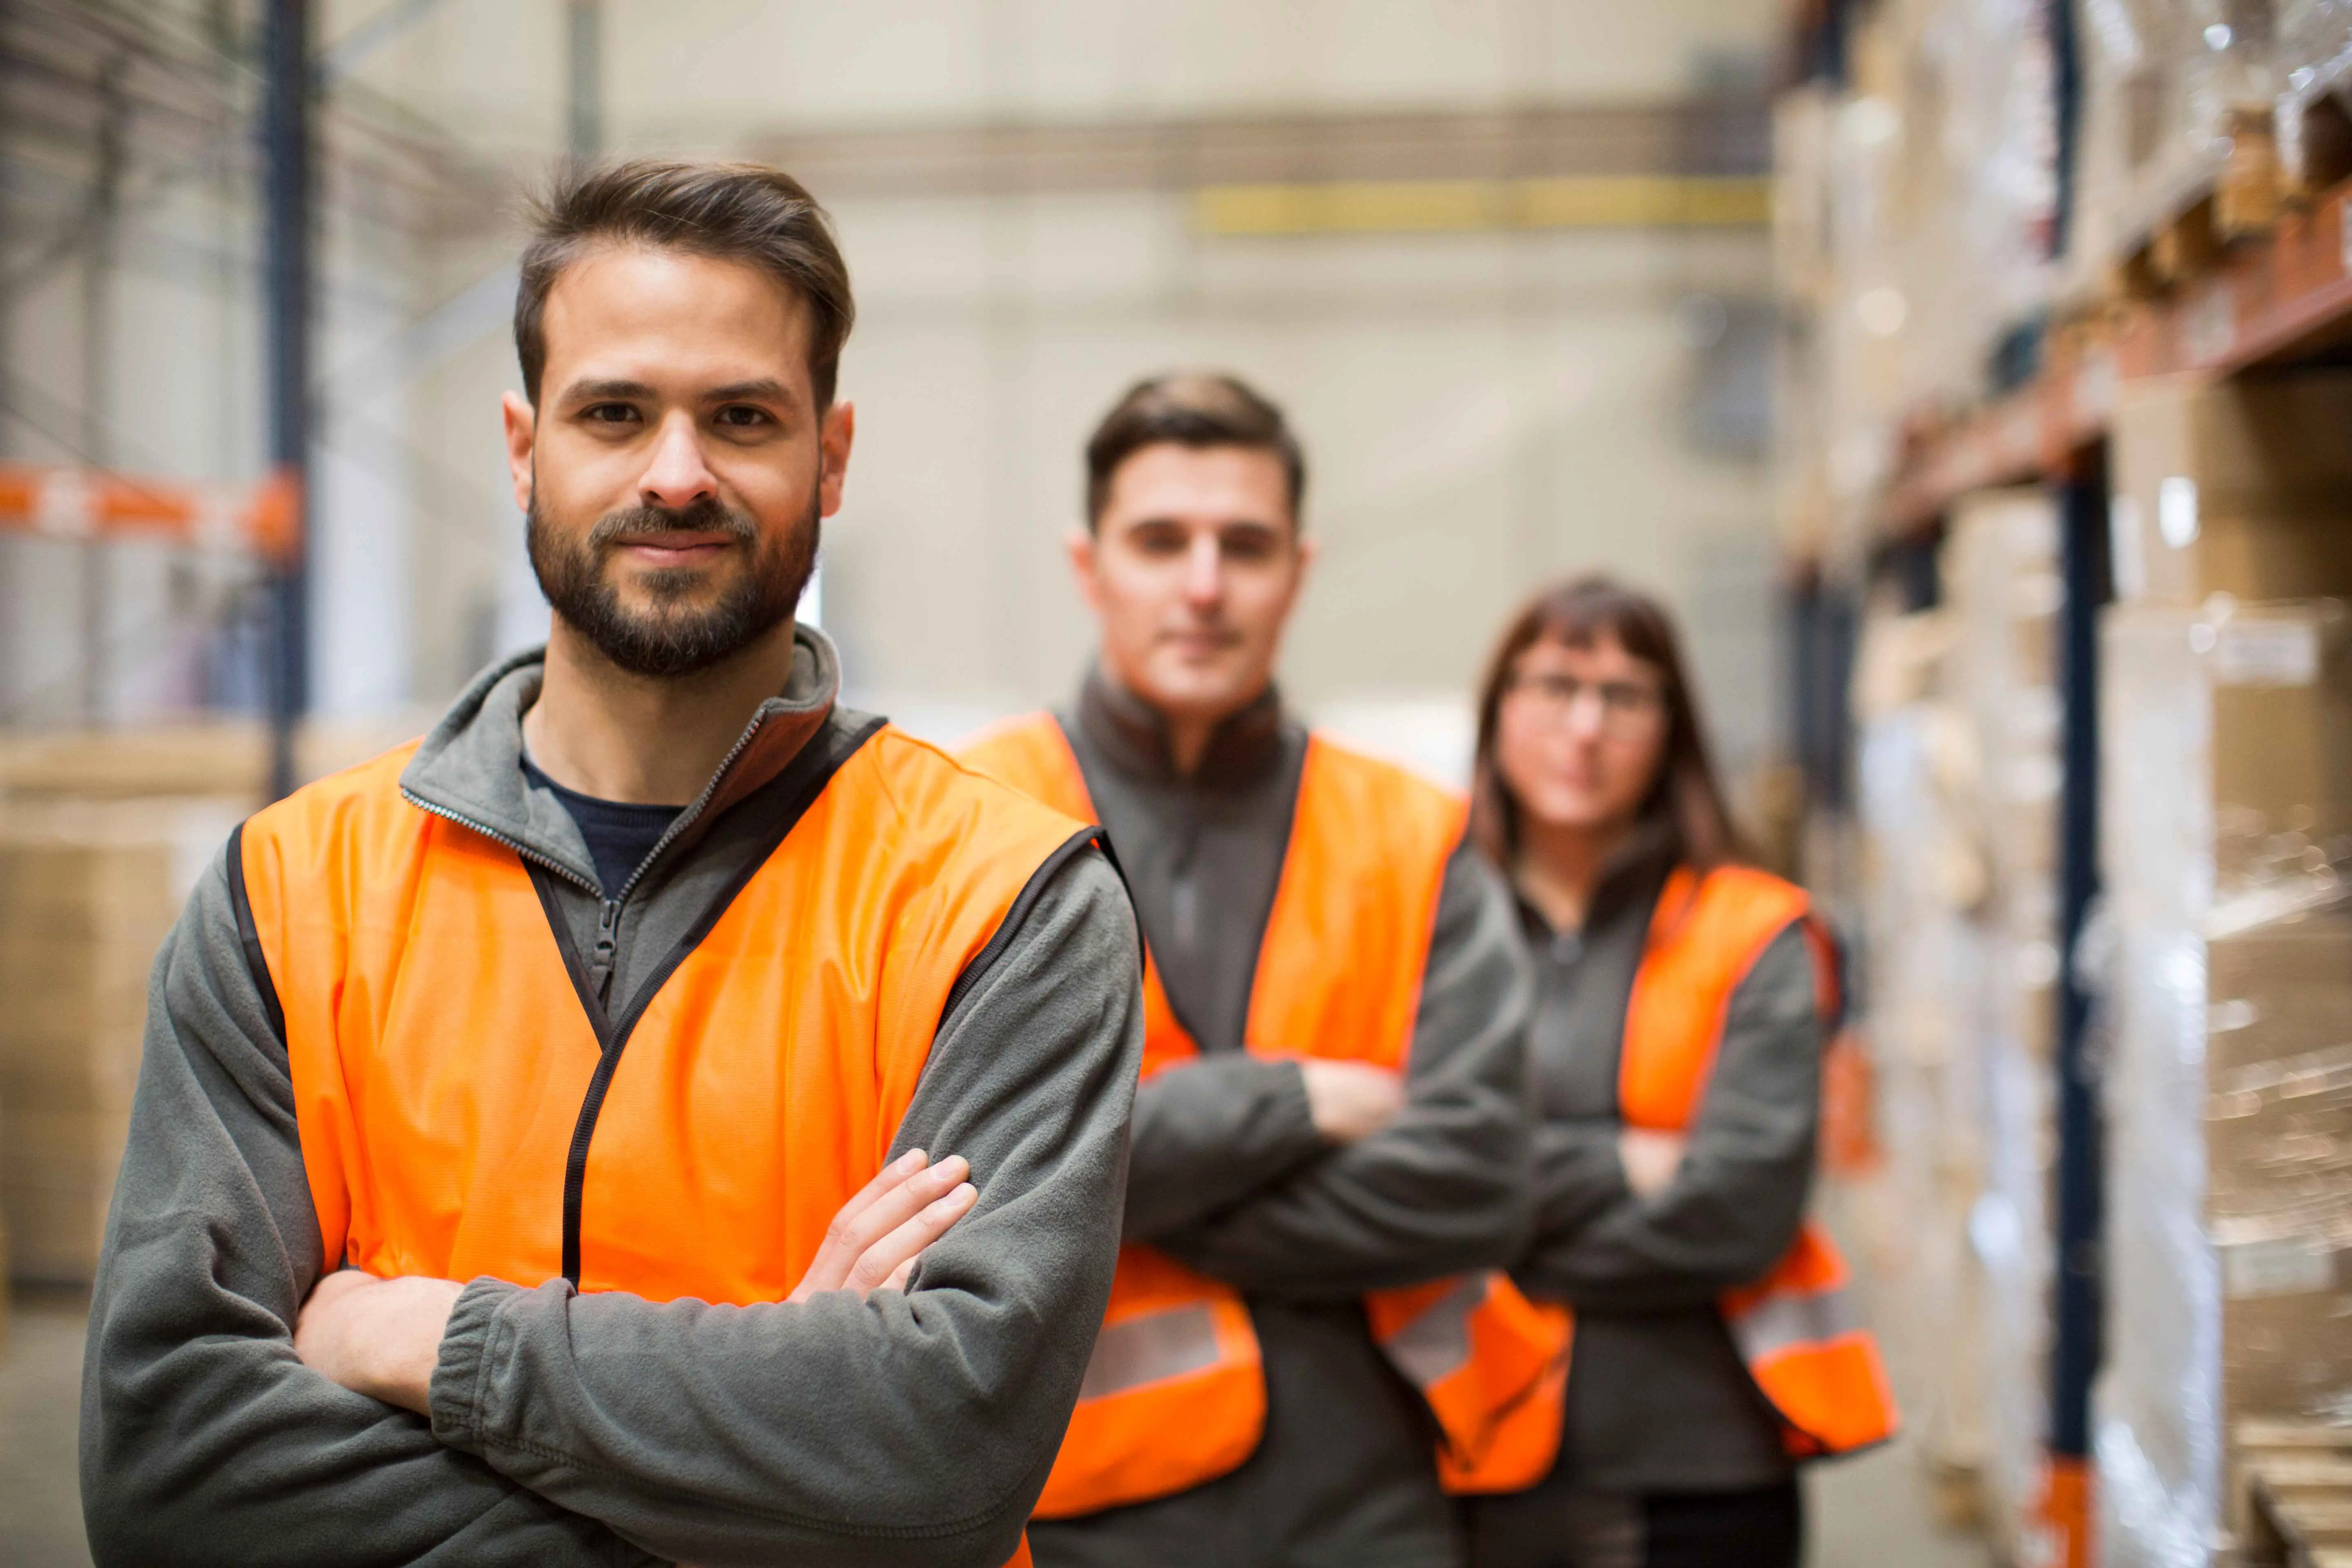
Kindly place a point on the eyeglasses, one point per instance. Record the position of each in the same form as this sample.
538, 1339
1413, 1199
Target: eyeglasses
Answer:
1627, 707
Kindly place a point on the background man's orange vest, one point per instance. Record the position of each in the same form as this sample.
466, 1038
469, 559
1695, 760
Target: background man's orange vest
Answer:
459, 1114
1796, 1327
1175, 1394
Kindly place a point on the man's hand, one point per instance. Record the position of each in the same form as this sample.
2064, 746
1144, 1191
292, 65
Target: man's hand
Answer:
874, 1241
377, 1337
1651, 1160
1348, 1100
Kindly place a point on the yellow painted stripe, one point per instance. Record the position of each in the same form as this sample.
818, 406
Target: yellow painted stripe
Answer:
1400, 206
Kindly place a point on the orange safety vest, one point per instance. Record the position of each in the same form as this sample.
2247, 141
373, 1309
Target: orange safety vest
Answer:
459, 1114
1796, 1327
1175, 1394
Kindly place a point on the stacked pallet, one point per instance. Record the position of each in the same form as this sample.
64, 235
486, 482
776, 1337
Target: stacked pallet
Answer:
2227, 839
101, 838
87, 891
1960, 799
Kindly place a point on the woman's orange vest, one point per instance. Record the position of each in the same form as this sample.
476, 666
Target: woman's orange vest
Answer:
1175, 1394
467, 1108
1796, 1327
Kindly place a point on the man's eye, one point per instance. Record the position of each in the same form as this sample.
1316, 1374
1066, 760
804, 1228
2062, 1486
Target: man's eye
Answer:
608, 413
1155, 541
1248, 548
742, 416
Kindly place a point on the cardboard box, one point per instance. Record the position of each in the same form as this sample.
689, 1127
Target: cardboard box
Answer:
2239, 487
56, 1170
2281, 739
2278, 1122
88, 892
2278, 1073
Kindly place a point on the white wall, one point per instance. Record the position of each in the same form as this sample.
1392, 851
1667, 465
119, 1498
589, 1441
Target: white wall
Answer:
1482, 410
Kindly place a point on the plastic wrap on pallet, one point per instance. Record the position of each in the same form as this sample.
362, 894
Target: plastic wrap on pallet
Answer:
2314, 37
2227, 733
2158, 1420
1999, 573
1941, 174
2315, 59
2172, 90
1917, 775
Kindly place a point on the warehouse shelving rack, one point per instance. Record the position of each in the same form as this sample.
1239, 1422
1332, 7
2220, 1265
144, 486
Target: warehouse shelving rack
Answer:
2276, 297
2267, 300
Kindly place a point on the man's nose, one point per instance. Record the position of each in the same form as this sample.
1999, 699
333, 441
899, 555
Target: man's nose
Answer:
676, 475
1204, 571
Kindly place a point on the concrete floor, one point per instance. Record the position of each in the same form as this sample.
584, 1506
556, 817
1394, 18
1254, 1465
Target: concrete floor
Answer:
1869, 1512
40, 1401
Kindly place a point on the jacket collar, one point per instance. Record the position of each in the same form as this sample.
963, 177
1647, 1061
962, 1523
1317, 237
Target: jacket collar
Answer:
1629, 885
469, 768
1133, 736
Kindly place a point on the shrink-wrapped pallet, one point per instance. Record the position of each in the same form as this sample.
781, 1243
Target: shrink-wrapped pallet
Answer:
2227, 799
2000, 570
1918, 773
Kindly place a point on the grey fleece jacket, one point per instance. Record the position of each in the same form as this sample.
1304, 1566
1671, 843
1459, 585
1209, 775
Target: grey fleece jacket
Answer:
1231, 1177
912, 1429
1658, 1399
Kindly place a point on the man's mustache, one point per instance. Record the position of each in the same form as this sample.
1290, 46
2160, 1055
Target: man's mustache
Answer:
705, 516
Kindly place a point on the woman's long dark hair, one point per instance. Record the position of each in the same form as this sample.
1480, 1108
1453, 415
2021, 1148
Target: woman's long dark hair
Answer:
1683, 801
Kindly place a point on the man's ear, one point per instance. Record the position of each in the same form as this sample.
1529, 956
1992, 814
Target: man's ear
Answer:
835, 433
1081, 547
1306, 551
522, 434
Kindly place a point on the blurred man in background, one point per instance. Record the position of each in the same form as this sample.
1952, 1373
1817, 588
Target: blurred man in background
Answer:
634, 995
1330, 1124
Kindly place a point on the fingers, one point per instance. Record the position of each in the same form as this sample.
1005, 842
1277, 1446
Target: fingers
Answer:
894, 1255
829, 1270
888, 1179
872, 1216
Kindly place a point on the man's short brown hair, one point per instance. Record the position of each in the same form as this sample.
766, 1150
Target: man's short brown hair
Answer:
728, 212
1190, 409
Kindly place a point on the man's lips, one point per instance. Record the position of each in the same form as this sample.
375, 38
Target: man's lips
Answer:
1197, 643
673, 548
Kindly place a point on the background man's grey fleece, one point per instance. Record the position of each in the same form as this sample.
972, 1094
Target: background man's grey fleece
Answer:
1231, 1177
907, 1429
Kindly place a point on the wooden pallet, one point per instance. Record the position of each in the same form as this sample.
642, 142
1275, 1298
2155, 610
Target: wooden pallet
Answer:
2293, 1494
2315, 134
2208, 211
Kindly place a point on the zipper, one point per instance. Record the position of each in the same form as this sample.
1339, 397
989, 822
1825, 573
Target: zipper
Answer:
603, 961
492, 834
612, 1031
600, 962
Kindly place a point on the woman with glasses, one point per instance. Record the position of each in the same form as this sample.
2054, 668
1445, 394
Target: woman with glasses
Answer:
1676, 1048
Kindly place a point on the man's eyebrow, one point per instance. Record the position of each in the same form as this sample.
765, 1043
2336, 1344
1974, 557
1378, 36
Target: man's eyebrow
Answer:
590, 391
766, 389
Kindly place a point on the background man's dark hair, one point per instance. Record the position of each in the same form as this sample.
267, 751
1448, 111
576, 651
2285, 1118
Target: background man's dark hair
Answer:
730, 212
1192, 408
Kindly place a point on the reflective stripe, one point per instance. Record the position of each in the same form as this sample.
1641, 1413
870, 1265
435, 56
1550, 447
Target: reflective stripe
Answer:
1437, 1344
1782, 1322
1150, 1348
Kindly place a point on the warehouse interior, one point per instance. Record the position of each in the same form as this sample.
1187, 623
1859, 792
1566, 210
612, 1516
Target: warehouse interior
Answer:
1972, 378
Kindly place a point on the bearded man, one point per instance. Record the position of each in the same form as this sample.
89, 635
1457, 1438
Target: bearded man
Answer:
662, 1114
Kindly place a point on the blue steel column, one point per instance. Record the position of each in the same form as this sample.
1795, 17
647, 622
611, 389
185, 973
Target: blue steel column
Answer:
2074, 1339
287, 184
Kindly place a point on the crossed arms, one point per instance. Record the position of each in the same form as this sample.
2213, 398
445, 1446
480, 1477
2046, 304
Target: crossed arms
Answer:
1291, 1180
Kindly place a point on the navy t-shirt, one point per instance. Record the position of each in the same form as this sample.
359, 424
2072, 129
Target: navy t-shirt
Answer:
620, 833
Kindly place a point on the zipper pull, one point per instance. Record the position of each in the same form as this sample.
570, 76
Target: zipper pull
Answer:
600, 963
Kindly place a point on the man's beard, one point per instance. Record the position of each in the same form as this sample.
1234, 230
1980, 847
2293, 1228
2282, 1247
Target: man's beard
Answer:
669, 639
